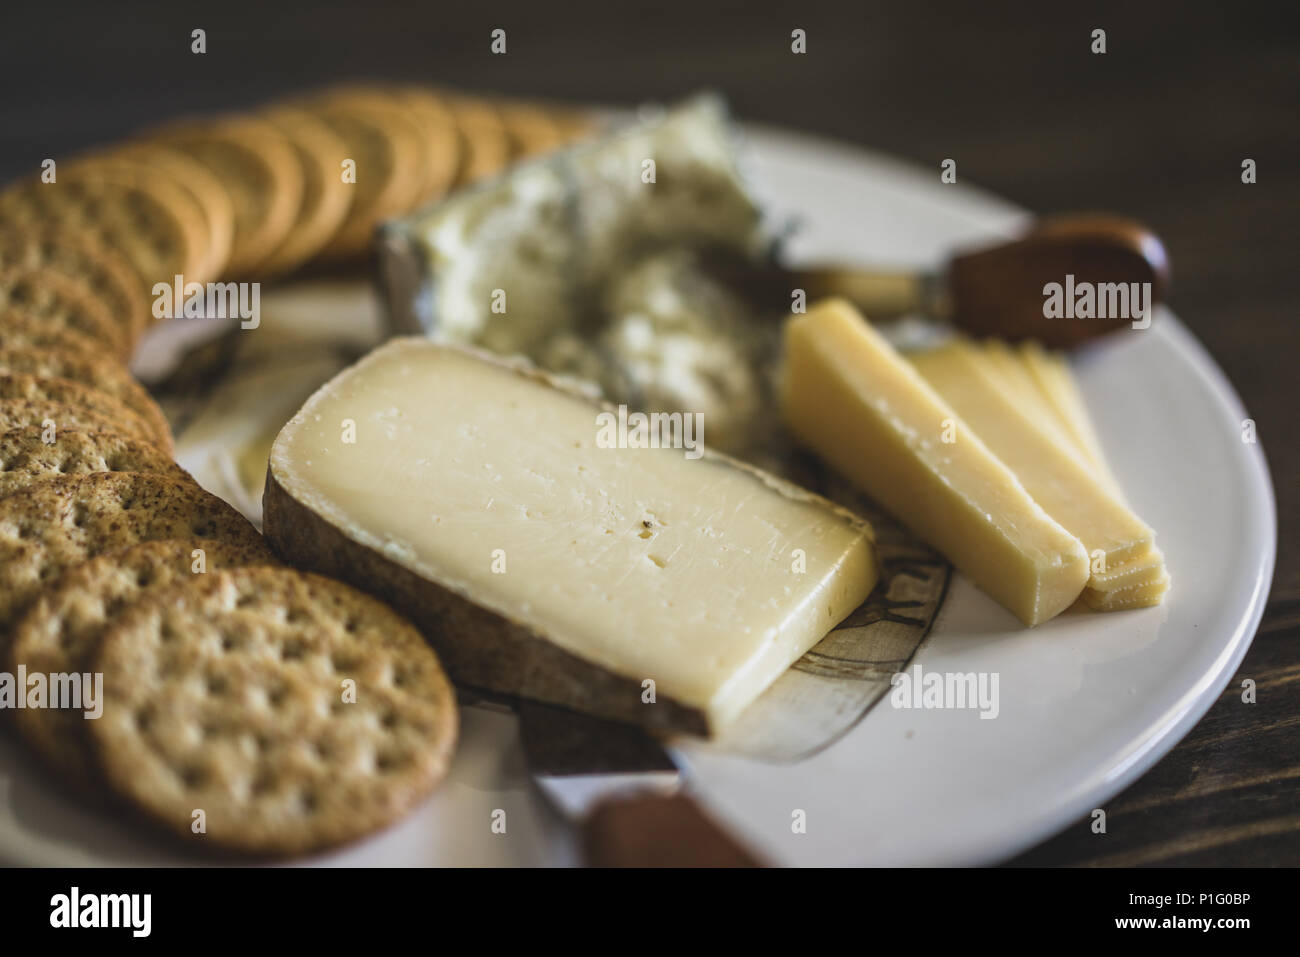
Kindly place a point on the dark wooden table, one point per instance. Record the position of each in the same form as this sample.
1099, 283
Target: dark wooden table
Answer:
1155, 128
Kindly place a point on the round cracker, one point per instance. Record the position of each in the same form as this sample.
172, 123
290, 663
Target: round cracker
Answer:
99, 372
209, 195
60, 634
441, 139
25, 456
62, 302
125, 204
32, 413
72, 405
386, 147
530, 129
52, 526
297, 713
325, 197
106, 272
256, 165
24, 330
485, 145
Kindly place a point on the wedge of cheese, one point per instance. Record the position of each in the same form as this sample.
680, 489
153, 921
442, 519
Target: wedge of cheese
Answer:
548, 554
855, 401
1054, 474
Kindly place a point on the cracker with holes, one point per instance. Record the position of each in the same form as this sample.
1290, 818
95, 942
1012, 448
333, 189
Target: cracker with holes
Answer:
128, 205
108, 275
42, 400
24, 330
61, 632
51, 527
284, 711
61, 302
385, 144
256, 165
26, 458
98, 372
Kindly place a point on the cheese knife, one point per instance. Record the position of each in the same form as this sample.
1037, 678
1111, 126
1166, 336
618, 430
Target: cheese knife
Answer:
623, 791
993, 290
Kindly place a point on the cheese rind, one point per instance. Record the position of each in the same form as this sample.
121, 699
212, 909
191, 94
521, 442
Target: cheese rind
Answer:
855, 401
1054, 474
479, 497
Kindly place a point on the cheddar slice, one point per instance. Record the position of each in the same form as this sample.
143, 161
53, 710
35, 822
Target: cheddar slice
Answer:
1140, 569
855, 401
1004, 365
1121, 599
1054, 474
1051, 373
546, 554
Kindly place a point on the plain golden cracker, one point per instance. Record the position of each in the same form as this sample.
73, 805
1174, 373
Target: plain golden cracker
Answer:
62, 302
294, 712
128, 206
207, 192
60, 633
256, 165
485, 144
25, 456
441, 139
52, 526
71, 405
98, 372
387, 155
25, 330
325, 197
107, 274
530, 129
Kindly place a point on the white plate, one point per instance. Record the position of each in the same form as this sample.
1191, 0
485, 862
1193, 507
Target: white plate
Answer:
1087, 702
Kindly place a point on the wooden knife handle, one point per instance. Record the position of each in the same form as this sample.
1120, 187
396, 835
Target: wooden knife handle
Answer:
658, 831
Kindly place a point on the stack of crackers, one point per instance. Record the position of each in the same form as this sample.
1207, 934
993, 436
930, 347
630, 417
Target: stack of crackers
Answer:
245, 705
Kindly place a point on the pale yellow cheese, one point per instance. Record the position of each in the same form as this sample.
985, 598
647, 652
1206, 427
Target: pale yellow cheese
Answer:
1054, 474
704, 576
1121, 599
1004, 365
850, 397
1139, 569
1051, 373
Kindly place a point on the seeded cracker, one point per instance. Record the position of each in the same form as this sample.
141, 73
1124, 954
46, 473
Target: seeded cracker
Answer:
229, 694
126, 204
98, 372
60, 302
105, 272
38, 400
61, 633
55, 525
25, 458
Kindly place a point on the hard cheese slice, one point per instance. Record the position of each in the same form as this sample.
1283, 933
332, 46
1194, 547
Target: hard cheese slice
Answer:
849, 396
1051, 373
1053, 473
485, 502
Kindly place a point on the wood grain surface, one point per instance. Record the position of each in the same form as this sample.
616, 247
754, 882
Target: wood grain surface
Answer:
1156, 129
